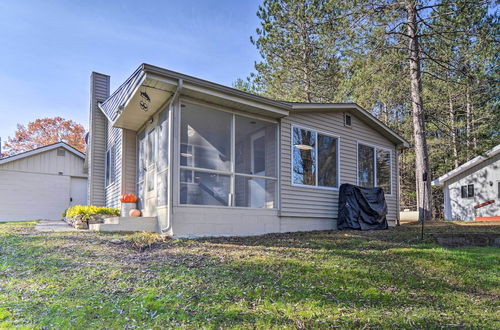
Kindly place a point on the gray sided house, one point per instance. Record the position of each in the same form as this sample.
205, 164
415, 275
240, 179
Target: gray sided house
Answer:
472, 190
206, 159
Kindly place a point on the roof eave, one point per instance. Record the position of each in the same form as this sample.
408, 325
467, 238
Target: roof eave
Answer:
40, 150
314, 107
214, 86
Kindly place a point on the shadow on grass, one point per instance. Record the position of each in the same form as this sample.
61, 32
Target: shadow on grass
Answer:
298, 280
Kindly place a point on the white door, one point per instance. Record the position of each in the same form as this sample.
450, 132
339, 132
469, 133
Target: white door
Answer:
78, 191
32, 196
150, 187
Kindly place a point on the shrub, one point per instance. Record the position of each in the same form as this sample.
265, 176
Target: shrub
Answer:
63, 215
87, 210
144, 240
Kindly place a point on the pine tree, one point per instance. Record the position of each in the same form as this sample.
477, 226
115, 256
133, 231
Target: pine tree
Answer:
296, 41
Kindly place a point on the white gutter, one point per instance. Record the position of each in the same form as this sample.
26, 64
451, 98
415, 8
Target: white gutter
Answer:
173, 99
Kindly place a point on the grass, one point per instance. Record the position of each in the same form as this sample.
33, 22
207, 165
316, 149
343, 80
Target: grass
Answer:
305, 280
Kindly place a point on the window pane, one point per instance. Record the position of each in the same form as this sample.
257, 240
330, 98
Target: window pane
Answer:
141, 164
108, 167
365, 166
113, 163
201, 188
205, 137
150, 180
151, 147
256, 143
162, 162
463, 191
304, 157
162, 179
327, 161
140, 195
470, 190
384, 170
255, 192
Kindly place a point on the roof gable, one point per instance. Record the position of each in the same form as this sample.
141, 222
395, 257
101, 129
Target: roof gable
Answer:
466, 166
41, 150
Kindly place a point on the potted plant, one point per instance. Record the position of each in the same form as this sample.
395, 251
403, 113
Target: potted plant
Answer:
128, 203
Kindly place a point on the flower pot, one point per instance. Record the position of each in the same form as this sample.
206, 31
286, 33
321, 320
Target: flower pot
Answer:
126, 207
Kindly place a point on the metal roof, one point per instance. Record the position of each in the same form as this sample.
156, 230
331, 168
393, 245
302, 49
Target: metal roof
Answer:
466, 166
113, 105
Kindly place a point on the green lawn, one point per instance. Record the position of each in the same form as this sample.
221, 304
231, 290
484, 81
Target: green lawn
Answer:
312, 280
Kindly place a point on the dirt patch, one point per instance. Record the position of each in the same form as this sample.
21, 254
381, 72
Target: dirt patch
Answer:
467, 239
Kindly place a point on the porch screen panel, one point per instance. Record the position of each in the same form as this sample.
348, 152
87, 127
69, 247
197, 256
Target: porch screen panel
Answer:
141, 168
255, 192
163, 158
227, 159
205, 138
202, 188
255, 163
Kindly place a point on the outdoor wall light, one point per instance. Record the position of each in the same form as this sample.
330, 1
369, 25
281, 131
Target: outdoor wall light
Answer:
145, 96
303, 147
144, 102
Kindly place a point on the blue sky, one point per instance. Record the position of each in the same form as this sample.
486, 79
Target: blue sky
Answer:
49, 48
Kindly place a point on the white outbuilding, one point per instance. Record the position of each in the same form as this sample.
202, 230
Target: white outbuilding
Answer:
472, 190
42, 183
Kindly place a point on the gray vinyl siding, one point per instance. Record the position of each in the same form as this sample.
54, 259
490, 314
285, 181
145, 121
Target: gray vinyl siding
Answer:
485, 177
48, 162
96, 151
113, 190
129, 162
314, 202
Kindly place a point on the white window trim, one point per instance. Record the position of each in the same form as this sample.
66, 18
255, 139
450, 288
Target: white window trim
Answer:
375, 179
232, 173
316, 186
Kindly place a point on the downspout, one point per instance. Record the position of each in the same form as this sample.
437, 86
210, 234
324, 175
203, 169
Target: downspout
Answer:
173, 101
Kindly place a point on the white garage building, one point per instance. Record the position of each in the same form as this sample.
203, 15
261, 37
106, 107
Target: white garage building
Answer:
42, 183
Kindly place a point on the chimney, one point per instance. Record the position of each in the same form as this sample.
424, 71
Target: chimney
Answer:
96, 147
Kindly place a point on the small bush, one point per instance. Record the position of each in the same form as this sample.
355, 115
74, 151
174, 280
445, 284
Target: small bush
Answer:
144, 240
87, 210
63, 215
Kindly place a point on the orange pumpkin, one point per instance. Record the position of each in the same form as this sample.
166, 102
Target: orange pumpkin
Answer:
128, 198
134, 213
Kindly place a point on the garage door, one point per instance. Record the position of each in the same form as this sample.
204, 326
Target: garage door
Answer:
32, 196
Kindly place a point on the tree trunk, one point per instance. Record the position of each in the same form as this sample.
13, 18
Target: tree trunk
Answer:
468, 128
453, 131
422, 170
473, 127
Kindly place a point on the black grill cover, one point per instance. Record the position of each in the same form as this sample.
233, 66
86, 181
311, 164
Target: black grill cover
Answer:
361, 208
